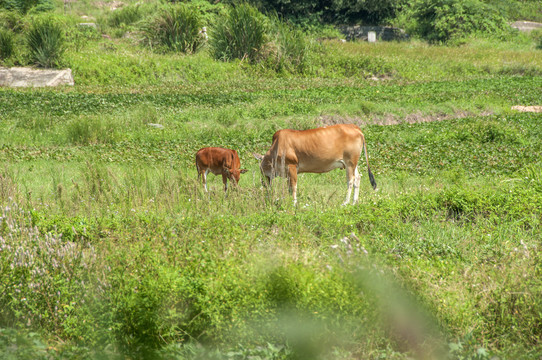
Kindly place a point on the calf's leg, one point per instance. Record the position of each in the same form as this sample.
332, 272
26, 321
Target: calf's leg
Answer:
225, 181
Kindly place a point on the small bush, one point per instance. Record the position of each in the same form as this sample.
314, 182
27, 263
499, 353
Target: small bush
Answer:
10, 20
126, 15
289, 48
45, 41
6, 44
175, 28
446, 20
241, 35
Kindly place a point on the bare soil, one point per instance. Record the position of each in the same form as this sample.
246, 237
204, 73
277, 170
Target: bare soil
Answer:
390, 119
536, 109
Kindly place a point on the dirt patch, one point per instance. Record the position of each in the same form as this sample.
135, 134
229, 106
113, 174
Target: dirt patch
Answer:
390, 119
536, 109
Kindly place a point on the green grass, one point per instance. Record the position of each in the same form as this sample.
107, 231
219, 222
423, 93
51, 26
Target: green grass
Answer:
110, 248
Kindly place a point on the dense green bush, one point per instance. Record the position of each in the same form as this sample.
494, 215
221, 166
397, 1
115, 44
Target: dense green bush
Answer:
374, 12
6, 44
271, 42
25, 6
288, 49
241, 35
11, 20
46, 43
175, 28
125, 15
334, 11
446, 20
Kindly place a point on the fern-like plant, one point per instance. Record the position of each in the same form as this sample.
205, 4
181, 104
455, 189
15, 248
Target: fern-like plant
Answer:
175, 28
291, 47
241, 35
45, 40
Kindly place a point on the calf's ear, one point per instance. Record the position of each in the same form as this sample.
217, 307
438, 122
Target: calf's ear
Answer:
258, 156
242, 171
226, 170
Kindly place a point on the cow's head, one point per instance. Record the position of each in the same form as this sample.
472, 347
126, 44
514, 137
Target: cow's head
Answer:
234, 174
266, 168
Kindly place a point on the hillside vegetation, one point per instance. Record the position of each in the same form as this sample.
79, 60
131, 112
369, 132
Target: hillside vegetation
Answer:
111, 249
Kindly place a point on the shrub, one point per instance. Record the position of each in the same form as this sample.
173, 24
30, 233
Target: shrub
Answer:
45, 41
368, 11
241, 35
43, 276
445, 20
6, 44
126, 15
308, 12
175, 28
25, 6
10, 20
289, 48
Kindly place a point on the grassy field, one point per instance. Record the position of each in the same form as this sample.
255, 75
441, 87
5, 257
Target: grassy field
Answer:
109, 247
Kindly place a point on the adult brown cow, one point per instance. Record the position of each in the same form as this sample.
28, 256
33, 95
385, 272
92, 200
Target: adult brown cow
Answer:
219, 161
316, 151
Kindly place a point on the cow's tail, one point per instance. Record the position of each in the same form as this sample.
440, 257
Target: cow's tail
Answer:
371, 177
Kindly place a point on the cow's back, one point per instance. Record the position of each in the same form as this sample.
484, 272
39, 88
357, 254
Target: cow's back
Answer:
216, 158
322, 145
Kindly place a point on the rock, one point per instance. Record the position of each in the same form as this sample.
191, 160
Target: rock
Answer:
526, 25
158, 126
92, 25
28, 77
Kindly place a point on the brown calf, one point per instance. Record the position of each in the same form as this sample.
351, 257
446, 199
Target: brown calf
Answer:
219, 161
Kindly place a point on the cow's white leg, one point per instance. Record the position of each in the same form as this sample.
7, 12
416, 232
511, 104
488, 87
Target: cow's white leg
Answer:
357, 178
292, 178
349, 181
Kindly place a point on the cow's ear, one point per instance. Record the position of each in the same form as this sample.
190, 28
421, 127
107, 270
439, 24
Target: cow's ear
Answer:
242, 171
258, 156
226, 171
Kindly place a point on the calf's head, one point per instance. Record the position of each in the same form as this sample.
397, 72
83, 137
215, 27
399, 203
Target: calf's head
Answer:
234, 174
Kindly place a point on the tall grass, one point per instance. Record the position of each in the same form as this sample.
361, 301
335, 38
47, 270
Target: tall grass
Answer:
7, 44
288, 49
175, 28
45, 41
241, 35
126, 15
